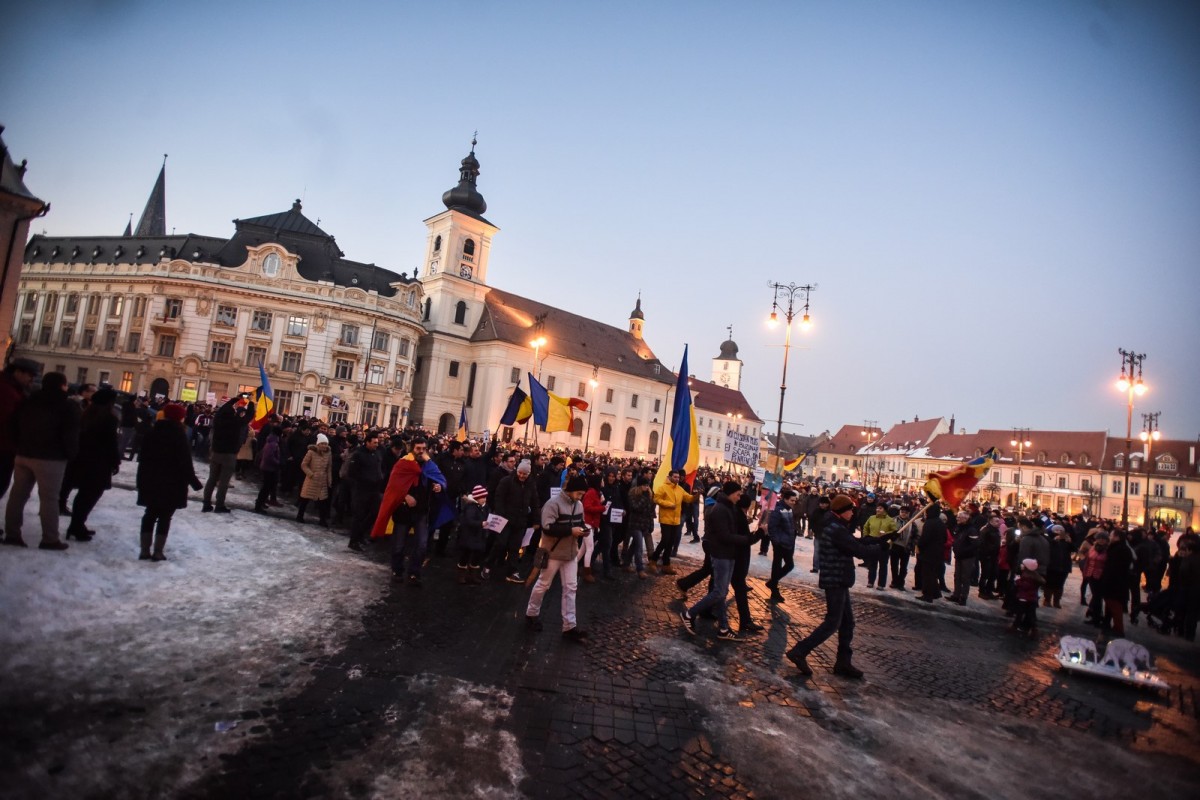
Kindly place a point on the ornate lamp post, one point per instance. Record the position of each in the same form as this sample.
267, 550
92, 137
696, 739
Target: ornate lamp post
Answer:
1130, 384
1020, 441
1149, 435
789, 291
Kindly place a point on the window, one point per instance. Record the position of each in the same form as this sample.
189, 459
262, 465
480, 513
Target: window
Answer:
453, 369
270, 265
31, 302
550, 383
1116, 487
460, 313
134, 343
375, 375
582, 389
81, 375
139, 307
370, 413
261, 321
291, 361
606, 432
1167, 465
428, 308
226, 315
44, 335
1062, 481
1135, 487
25, 333
437, 244
835, 461
1085, 484
515, 375
401, 377
403, 348
116, 305
577, 428
103, 377
708, 441
1084, 460
1160, 489
218, 353
93, 306
653, 446
633, 401
412, 299
126, 382
110, 339
343, 369
630, 438
219, 388
72, 303
297, 326
256, 355
349, 334
172, 308
65, 334
469, 249
51, 304
1037, 480
1178, 493
658, 405
381, 341
1119, 462
283, 401
1041, 458
89, 338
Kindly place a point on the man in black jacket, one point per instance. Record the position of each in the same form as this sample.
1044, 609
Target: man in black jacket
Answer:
228, 423
838, 551
722, 541
966, 557
365, 476
46, 431
930, 554
515, 499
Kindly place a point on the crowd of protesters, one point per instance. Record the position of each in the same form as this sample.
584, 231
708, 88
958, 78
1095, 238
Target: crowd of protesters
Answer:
523, 514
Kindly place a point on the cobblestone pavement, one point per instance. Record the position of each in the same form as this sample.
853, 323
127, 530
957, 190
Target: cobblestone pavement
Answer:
644, 710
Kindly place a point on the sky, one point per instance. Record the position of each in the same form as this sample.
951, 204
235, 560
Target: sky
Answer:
991, 197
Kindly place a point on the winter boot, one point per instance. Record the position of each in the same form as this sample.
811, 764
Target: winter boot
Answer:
844, 668
667, 569
147, 535
776, 597
588, 577
160, 541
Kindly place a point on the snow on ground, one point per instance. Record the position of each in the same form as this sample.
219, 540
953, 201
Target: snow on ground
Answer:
92, 626
872, 744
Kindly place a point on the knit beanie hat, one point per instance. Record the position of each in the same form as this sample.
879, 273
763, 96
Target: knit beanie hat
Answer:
174, 411
729, 487
479, 494
322, 439
576, 484
527, 468
840, 503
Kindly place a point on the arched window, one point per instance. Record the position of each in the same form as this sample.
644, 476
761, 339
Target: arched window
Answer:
606, 432
577, 428
428, 307
447, 424
1066, 458
1041, 457
437, 244
630, 439
1084, 460
469, 247
653, 446
460, 313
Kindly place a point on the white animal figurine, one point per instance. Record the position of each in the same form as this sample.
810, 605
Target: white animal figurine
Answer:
1122, 653
1069, 646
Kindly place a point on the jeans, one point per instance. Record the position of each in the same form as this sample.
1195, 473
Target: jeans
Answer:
634, 551
839, 617
715, 599
409, 541
365, 505
48, 475
220, 471
569, 570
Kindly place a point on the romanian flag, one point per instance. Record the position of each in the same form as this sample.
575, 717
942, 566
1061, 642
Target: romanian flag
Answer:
683, 445
406, 473
550, 412
952, 486
518, 409
264, 401
788, 466
462, 424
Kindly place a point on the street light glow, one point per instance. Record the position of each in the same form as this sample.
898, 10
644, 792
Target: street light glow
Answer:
805, 322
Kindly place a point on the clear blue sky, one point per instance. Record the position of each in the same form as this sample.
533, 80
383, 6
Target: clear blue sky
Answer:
992, 196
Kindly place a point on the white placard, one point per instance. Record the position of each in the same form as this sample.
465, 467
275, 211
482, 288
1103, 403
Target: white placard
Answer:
495, 522
616, 515
555, 491
759, 474
528, 537
741, 448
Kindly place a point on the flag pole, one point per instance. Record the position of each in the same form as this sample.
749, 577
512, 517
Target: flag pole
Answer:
917, 516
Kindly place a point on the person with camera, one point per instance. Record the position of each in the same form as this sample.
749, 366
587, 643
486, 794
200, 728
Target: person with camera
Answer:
562, 528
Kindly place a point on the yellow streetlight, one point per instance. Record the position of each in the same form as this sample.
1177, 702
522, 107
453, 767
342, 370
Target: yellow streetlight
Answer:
1020, 441
789, 290
1131, 384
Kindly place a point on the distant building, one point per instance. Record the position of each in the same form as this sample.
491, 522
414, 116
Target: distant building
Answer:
884, 457
17, 207
1164, 482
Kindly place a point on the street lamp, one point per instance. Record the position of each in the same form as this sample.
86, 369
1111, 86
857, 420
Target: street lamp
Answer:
593, 383
789, 290
1149, 435
537, 344
1020, 441
1131, 385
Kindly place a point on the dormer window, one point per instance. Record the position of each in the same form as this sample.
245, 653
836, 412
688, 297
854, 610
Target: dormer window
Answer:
1119, 462
1065, 458
1041, 457
270, 265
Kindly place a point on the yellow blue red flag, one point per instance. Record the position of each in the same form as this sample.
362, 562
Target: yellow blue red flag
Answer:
264, 402
682, 451
953, 486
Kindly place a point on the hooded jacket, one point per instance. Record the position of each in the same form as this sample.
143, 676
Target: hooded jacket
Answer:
559, 516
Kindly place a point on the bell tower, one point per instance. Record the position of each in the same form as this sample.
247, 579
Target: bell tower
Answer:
459, 239
727, 367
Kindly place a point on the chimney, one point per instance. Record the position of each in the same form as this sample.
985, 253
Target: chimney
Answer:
1192, 455
951, 424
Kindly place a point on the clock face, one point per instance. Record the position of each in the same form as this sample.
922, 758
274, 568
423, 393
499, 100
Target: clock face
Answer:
465, 271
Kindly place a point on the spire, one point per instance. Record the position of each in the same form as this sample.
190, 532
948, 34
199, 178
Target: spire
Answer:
154, 218
129, 226
637, 309
465, 197
637, 320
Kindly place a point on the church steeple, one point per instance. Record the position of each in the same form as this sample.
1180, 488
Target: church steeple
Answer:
637, 320
154, 218
466, 197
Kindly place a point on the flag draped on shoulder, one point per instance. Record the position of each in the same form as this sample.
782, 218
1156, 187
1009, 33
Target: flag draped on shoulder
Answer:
682, 451
407, 473
953, 486
518, 409
462, 424
264, 401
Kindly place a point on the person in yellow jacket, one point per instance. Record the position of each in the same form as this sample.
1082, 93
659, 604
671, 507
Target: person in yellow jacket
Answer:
669, 498
878, 525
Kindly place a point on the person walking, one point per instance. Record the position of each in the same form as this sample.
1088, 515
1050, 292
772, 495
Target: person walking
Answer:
46, 430
839, 548
966, 557
514, 498
669, 498
876, 526
268, 464
14, 387
929, 554
1059, 567
639, 522
228, 423
364, 475
562, 526
902, 547
164, 473
317, 467
723, 539
781, 530
98, 459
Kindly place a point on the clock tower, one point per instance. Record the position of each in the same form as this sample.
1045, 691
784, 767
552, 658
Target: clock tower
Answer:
727, 367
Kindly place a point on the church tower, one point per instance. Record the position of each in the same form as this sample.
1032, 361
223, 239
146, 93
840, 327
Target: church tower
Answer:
637, 319
727, 367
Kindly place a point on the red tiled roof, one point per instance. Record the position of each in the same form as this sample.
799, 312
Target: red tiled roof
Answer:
907, 435
1058, 448
709, 396
848, 439
1184, 453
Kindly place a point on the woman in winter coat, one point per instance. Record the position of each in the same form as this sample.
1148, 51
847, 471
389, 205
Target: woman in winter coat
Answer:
96, 462
1059, 567
268, 464
317, 467
164, 473
639, 521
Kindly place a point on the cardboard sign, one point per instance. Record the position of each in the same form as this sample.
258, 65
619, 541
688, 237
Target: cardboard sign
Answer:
495, 522
555, 491
188, 395
741, 448
616, 515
